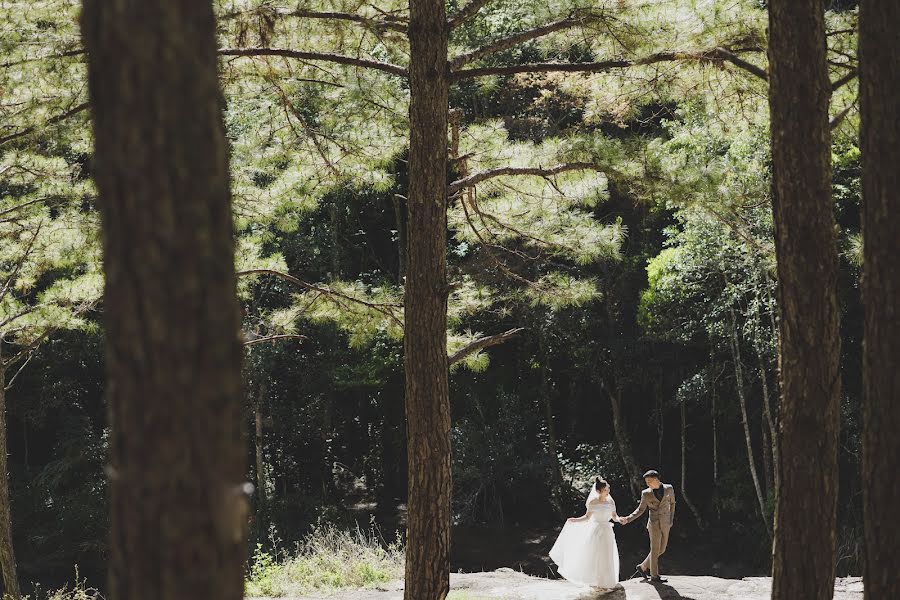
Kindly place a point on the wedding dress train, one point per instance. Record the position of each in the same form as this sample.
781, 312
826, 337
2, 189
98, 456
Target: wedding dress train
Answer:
586, 551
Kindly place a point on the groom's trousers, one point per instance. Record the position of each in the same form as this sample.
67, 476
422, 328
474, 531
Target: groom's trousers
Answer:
659, 539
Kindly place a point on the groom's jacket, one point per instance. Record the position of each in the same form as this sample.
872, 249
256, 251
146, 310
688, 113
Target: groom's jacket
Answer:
661, 511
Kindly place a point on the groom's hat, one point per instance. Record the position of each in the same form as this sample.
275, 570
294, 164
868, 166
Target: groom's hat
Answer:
652, 473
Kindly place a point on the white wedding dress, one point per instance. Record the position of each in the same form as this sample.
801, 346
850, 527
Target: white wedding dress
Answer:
586, 551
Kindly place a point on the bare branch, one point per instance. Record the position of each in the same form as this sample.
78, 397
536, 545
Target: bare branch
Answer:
60, 117
512, 40
842, 81
482, 343
476, 178
466, 12
317, 56
19, 207
66, 54
384, 22
713, 55
273, 338
838, 118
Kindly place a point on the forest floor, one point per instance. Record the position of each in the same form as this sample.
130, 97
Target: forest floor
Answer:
507, 584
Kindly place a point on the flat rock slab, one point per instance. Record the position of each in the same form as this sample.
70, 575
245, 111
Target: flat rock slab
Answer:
507, 584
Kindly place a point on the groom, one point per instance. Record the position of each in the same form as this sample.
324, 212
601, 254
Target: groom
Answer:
659, 497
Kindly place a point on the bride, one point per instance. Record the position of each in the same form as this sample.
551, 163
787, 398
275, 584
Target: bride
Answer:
586, 550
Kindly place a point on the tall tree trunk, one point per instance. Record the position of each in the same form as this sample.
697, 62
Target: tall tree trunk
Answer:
425, 338
745, 421
767, 457
259, 440
7, 555
768, 413
683, 491
177, 458
879, 21
769, 423
546, 398
660, 418
809, 340
715, 449
635, 474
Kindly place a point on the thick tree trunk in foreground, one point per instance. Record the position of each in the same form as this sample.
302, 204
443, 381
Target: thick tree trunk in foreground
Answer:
177, 457
7, 555
806, 250
425, 338
879, 22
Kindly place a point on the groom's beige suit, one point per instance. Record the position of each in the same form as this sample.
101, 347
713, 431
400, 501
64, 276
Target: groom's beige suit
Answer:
662, 515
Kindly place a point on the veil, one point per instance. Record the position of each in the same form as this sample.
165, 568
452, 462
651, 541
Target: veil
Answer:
592, 496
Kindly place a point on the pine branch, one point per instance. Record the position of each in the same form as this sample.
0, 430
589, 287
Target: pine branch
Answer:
478, 177
466, 12
10, 282
513, 40
317, 56
51, 121
713, 55
485, 342
385, 309
385, 22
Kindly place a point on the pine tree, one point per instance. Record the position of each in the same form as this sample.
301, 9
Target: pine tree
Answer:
810, 345
177, 457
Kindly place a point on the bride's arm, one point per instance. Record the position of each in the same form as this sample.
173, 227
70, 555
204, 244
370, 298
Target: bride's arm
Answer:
584, 517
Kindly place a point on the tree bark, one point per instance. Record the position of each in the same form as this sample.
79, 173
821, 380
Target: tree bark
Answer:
7, 554
425, 339
879, 21
809, 340
745, 421
177, 458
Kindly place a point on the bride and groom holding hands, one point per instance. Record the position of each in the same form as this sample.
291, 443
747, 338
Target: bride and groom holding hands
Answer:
586, 551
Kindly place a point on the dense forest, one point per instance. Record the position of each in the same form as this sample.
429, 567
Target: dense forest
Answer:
630, 271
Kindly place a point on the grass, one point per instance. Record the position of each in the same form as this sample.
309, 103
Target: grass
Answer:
328, 558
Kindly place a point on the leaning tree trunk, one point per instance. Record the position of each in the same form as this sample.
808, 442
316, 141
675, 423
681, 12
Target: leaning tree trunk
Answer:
7, 556
425, 338
177, 457
809, 341
879, 21
745, 421
635, 475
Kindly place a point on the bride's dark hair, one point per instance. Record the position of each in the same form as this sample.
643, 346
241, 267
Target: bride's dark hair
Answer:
599, 483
